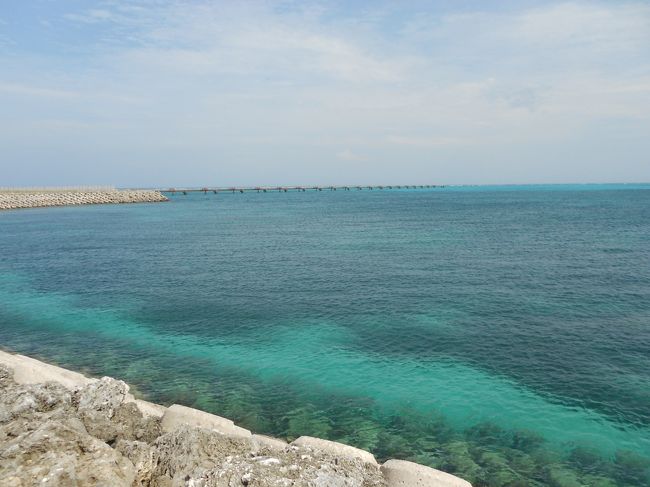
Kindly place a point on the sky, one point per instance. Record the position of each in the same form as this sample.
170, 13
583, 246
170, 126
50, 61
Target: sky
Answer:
158, 93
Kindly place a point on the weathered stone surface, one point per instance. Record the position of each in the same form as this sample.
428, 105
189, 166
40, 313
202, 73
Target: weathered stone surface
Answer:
24, 400
103, 396
177, 415
104, 410
59, 451
334, 448
188, 451
291, 467
97, 404
400, 473
97, 435
143, 457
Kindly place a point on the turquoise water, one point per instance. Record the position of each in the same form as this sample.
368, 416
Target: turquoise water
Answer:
500, 333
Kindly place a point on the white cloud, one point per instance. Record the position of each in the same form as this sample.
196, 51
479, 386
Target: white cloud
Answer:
219, 40
418, 141
586, 25
260, 86
348, 155
92, 16
26, 90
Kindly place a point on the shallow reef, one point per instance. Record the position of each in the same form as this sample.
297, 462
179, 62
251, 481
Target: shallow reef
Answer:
484, 454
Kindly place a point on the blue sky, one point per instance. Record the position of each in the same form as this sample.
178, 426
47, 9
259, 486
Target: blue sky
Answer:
160, 93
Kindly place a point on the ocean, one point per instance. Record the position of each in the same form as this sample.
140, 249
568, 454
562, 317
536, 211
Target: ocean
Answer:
498, 333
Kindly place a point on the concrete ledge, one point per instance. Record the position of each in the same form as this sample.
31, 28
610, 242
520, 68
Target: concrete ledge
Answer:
30, 371
400, 473
335, 448
268, 442
397, 473
149, 409
177, 415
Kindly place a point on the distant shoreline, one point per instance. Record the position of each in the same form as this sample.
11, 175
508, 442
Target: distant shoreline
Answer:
35, 197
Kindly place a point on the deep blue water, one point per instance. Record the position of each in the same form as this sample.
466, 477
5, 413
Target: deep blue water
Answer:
501, 333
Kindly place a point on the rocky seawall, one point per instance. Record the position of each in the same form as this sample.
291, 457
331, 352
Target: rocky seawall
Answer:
60, 428
10, 200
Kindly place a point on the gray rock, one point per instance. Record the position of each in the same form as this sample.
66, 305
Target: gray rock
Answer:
22, 400
78, 431
290, 468
103, 397
61, 452
6, 374
143, 457
106, 414
188, 451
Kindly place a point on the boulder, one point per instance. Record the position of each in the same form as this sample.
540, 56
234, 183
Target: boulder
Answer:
59, 451
143, 457
24, 400
189, 451
292, 466
103, 396
109, 412
72, 430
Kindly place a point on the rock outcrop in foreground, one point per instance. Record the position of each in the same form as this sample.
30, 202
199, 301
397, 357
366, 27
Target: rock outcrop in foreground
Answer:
60, 428
26, 199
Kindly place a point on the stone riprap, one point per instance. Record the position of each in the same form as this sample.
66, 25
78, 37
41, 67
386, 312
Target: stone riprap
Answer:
60, 428
10, 200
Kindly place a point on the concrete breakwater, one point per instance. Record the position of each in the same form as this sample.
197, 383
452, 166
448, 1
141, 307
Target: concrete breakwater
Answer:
10, 200
59, 428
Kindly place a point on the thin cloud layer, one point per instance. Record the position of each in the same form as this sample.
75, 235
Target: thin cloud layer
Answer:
172, 93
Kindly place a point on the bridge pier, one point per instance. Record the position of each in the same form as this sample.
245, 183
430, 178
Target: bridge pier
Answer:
285, 189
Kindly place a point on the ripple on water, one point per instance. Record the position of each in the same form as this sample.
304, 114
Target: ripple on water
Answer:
501, 335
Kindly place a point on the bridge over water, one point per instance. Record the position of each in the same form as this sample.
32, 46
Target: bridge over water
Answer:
285, 189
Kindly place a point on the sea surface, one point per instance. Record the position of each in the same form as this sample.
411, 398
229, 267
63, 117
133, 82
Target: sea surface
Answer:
499, 333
